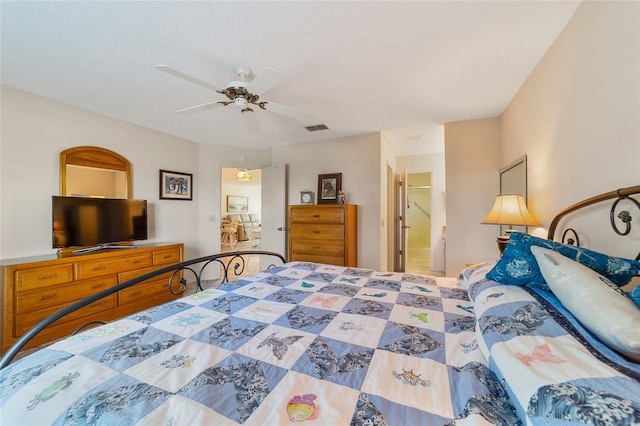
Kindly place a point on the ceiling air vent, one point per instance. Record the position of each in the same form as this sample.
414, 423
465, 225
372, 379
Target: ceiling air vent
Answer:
317, 127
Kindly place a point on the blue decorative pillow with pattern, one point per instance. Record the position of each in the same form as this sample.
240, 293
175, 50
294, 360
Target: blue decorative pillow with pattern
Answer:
635, 295
518, 266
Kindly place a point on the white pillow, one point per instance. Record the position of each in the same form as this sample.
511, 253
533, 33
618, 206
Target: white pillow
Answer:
611, 316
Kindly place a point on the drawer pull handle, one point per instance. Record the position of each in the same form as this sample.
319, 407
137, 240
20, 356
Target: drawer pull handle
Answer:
47, 277
49, 296
316, 232
136, 261
97, 268
95, 304
98, 285
137, 293
316, 215
317, 247
167, 256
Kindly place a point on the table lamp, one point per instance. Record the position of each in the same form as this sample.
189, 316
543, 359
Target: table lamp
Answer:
511, 210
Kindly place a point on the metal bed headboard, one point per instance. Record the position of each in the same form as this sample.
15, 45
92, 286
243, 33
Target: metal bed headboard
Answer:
570, 235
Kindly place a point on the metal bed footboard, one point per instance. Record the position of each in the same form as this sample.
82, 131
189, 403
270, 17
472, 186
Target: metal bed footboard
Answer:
236, 259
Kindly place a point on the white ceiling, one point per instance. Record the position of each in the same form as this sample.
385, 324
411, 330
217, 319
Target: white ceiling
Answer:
402, 68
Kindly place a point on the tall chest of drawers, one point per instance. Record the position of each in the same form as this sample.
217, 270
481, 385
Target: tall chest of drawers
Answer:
34, 288
324, 233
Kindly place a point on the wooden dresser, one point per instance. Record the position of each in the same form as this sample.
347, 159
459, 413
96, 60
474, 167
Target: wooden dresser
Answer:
324, 233
35, 287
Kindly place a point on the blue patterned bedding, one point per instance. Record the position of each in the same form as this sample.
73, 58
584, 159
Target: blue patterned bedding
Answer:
330, 345
306, 342
554, 370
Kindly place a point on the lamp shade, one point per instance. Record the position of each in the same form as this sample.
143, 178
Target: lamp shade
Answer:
510, 209
243, 176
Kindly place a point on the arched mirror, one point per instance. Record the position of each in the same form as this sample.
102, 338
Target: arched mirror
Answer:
90, 171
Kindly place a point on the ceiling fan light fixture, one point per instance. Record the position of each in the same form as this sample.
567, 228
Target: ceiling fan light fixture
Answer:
243, 176
241, 102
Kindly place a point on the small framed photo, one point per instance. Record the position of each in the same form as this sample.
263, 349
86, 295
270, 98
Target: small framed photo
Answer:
237, 204
176, 185
329, 187
306, 197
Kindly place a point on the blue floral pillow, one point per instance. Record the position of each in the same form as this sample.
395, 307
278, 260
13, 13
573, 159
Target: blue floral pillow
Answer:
635, 295
518, 266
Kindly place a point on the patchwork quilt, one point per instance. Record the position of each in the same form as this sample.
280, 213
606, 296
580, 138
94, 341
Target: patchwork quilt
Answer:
554, 370
304, 342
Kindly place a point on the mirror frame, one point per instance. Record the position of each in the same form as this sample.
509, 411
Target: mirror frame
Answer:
93, 156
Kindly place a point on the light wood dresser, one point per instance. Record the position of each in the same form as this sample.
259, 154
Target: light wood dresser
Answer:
35, 287
324, 233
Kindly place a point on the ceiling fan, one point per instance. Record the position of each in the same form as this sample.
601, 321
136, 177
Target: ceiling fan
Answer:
241, 93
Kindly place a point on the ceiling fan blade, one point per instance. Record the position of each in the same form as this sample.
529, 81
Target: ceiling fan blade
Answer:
296, 113
199, 108
187, 77
251, 121
264, 81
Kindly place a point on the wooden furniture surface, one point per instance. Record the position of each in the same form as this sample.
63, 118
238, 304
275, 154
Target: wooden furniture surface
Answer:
325, 233
35, 287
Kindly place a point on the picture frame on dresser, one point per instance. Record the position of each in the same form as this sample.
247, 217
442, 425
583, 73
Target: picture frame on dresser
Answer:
329, 188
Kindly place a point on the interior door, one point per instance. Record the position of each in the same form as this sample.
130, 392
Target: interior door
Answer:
274, 209
401, 223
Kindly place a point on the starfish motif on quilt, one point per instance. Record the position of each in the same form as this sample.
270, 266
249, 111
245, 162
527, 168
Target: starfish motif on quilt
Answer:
251, 385
416, 341
299, 319
131, 346
279, 345
524, 320
328, 364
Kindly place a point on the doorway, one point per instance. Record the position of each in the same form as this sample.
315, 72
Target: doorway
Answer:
240, 199
419, 223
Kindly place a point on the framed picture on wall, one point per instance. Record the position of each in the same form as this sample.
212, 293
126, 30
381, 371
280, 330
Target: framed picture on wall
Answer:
176, 185
329, 187
237, 204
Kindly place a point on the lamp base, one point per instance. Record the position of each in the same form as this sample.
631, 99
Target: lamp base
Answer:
503, 240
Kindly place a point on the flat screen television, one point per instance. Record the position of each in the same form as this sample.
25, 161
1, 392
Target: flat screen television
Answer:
97, 222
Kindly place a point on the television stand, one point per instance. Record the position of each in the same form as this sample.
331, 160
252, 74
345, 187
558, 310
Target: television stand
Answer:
100, 247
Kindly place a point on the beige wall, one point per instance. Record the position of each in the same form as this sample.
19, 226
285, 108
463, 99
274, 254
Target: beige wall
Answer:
34, 132
471, 164
358, 159
577, 118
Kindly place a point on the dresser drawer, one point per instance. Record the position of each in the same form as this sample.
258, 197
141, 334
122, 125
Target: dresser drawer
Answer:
166, 257
318, 215
304, 257
317, 232
58, 295
25, 321
107, 266
143, 291
27, 279
320, 247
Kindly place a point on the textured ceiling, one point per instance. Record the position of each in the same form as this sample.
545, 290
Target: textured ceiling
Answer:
402, 68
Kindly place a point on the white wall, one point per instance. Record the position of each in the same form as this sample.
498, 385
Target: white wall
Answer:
358, 159
577, 118
472, 164
34, 132
434, 163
